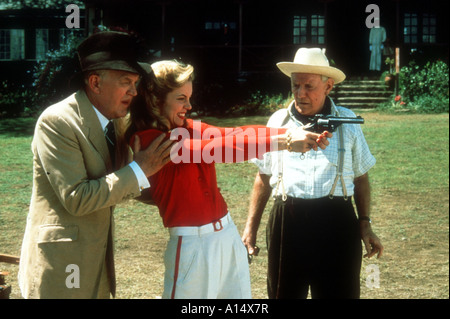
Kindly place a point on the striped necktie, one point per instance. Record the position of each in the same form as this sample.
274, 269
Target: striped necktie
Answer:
110, 136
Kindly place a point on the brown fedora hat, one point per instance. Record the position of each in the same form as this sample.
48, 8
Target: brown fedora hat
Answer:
110, 50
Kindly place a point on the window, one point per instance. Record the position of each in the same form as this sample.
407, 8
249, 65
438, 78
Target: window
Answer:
216, 25
317, 29
309, 29
41, 43
419, 27
429, 28
5, 45
300, 29
12, 44
410, 30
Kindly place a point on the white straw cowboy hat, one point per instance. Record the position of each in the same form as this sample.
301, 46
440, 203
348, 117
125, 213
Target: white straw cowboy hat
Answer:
311, 61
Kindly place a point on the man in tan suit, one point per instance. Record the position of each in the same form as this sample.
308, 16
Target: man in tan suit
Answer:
67, 250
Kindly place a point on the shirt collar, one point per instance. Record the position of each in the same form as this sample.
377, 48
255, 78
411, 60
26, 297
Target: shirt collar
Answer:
103, 120
330, 109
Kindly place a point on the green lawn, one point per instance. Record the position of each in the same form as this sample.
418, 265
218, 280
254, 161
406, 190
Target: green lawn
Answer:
410, 209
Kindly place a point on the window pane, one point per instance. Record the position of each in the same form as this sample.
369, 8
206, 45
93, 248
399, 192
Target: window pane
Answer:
5, 45
304, 22
17, 44
41, 43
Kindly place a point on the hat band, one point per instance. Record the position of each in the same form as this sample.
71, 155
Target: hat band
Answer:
94, 58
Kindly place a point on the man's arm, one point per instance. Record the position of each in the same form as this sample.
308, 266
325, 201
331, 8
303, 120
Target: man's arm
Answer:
258, 200
362, 200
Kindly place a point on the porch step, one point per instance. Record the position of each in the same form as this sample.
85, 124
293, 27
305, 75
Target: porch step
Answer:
360, 93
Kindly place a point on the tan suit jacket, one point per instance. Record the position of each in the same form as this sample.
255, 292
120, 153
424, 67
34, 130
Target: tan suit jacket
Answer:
67, 249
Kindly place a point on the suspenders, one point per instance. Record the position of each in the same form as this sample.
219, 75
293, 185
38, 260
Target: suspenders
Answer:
340, 168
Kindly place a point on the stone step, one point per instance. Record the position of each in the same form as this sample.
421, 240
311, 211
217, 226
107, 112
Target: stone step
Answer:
360, 93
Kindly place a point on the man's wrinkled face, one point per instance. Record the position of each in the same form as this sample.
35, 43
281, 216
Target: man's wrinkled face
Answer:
115, 91
309, 92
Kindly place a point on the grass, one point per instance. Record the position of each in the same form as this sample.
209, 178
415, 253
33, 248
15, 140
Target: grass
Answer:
410, 209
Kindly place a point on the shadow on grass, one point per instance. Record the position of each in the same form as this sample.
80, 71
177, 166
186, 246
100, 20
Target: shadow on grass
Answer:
17, 127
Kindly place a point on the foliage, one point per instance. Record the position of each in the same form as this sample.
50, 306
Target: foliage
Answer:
39, 4
391, 63
260, 104
54, 77
422, 89
13, 99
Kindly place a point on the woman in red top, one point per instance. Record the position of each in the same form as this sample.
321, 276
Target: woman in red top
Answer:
205, 257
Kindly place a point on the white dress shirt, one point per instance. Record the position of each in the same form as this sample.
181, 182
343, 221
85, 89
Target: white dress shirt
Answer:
313, 176
140, 175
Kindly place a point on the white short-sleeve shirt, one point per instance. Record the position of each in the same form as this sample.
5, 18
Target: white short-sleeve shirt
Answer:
313, 176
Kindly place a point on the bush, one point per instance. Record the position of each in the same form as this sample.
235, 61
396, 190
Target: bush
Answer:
53, 80
260, 104
54, 77
422, 89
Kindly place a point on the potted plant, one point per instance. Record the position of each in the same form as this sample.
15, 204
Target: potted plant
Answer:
389, 76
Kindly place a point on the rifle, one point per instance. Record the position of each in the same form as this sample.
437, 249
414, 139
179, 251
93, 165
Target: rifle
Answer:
330, 123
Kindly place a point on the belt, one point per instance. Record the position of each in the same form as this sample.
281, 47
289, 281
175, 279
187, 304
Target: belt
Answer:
215, 226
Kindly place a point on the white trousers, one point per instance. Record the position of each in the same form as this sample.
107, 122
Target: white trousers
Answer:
207, 262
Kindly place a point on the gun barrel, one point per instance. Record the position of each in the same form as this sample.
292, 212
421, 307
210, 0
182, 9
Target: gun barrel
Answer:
341, 120
350, 120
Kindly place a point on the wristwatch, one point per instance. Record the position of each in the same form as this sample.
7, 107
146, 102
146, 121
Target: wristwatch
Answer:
366, 218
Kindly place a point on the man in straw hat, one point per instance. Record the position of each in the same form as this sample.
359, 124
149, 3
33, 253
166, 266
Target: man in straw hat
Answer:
313, 234
67, 250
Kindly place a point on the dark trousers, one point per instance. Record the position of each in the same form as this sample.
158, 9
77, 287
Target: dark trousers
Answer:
313, 244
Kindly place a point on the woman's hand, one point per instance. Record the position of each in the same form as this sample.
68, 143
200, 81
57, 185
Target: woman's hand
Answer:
300, 140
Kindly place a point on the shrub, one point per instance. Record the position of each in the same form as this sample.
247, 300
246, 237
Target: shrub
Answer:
260, 104
422, 89
54, 76
14, 100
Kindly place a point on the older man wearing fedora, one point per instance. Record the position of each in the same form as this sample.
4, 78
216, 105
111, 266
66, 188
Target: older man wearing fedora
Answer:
313, 234
80, 172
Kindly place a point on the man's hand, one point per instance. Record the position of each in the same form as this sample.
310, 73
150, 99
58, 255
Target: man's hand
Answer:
249, 240
152, 159
371, 241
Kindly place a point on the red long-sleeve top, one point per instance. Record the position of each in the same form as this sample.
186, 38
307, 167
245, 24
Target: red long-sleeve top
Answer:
185, 190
